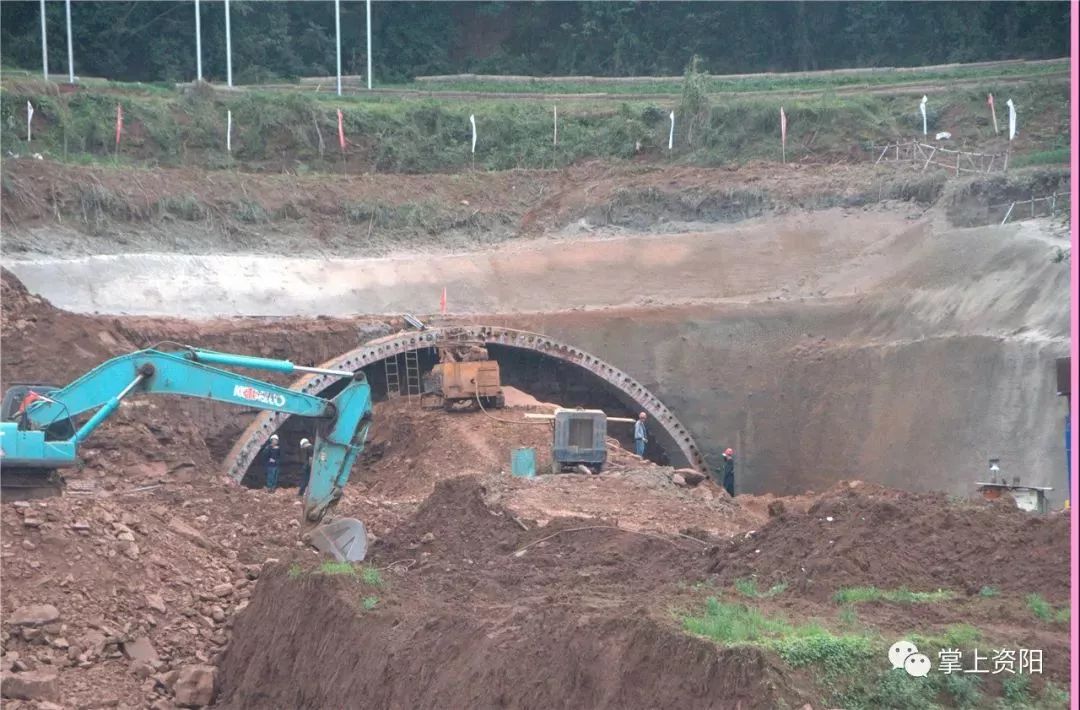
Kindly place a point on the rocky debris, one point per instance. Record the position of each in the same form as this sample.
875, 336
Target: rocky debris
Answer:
34, 615
191, 534
195, 685
140, 650
156, 602
30, 685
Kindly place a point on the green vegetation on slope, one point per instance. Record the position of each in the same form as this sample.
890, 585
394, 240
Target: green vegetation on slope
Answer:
298, 131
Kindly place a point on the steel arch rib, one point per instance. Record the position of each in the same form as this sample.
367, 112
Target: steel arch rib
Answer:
675, 438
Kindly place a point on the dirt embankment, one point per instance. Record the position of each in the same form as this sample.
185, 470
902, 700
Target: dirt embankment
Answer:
468, 590
867, 535
67, 210
566, 623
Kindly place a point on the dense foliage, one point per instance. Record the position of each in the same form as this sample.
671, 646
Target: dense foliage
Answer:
155, 41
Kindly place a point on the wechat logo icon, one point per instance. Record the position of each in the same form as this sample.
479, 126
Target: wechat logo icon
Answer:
904, 654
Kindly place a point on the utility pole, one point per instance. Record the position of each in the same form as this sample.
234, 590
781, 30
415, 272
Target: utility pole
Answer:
71, 54
198, 42
44, 45
228, 46
368, 3
337, 31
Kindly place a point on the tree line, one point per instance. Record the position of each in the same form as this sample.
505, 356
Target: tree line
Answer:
148, 40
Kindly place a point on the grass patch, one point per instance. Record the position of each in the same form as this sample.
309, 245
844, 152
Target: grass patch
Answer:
295, 571
371, 577
988, 592
1045, 611
335, 568
851, 668
859, 595
369, 603
1054, 156
1016, 691
749, 588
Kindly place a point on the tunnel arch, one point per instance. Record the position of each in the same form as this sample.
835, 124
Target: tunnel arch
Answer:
667, 429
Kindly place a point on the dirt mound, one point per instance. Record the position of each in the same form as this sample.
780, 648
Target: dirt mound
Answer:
458, 524
860, 535
520, 656
410, 449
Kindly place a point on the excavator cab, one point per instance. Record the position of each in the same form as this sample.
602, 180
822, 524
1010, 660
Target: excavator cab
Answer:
19, 481
60, 430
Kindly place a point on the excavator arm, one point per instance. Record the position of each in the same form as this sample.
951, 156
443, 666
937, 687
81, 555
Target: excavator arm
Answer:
189, 372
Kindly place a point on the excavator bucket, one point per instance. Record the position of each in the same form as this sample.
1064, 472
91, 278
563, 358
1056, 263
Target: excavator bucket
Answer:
345, 539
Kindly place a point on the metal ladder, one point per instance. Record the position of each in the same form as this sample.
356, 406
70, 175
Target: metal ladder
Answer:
412, 374
393, 381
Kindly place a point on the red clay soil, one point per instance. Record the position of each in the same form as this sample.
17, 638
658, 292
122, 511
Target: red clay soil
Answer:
865, 535
470, 624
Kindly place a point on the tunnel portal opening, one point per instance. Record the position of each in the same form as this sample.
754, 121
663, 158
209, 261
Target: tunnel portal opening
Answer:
541, 376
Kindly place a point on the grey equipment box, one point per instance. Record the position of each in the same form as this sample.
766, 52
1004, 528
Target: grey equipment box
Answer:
580, 438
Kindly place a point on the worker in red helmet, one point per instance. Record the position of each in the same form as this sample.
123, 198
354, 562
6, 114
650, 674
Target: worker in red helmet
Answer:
729, 471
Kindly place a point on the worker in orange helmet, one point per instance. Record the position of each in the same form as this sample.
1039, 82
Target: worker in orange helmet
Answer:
729, 471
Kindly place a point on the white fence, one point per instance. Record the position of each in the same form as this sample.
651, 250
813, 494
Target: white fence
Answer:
923, 156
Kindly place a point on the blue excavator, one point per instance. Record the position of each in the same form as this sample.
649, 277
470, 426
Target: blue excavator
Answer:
38, 433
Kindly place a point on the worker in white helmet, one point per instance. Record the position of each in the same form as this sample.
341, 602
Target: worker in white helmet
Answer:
306, 451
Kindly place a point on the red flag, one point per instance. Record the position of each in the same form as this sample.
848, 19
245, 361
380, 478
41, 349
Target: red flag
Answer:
783, 126
442, 301
119, 123
990, 100
341, 130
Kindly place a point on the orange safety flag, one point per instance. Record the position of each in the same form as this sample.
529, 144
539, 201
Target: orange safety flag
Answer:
341, 130
993, 113
119, 122
442, 301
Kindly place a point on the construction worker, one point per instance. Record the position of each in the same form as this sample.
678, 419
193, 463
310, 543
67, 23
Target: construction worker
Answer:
306, 452
273, 462
641, 435
729, 471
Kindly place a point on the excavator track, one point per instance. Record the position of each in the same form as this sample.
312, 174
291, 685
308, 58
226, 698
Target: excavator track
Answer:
30, 483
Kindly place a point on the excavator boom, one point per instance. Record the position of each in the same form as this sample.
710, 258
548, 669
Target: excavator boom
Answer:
342, 422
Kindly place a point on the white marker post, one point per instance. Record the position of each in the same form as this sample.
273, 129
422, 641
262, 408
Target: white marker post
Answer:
198, 43
368, 10
228, 132
922, 109
29, 117
44, 45
555, 134
71, 53
671, 133
472, 122
337, 34
228, 46
1012, 119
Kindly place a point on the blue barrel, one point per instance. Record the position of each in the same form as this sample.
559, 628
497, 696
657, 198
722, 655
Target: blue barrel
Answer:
523, 462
